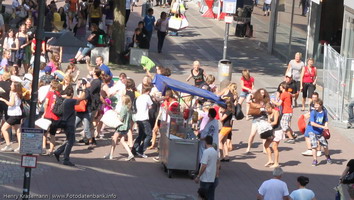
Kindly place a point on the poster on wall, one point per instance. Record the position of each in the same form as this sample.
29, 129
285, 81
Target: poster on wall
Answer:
229, 6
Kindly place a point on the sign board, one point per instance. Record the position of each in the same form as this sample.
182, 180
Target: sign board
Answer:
229, 19
229, 6
29, 161
31, 141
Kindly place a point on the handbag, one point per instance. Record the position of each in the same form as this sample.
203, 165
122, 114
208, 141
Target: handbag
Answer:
110, 118
238, 112
175, 23
43, 123
81, 107
348, 179
184, 23
253, 110
326, 134
263, 126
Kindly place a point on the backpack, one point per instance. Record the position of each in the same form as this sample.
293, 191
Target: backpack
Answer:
58, 107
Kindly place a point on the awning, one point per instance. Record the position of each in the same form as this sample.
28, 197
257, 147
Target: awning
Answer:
163, 82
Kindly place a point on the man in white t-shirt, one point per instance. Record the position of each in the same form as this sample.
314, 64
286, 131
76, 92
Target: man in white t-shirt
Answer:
209, 171
274, 189
142, 142
302, 193
212, 129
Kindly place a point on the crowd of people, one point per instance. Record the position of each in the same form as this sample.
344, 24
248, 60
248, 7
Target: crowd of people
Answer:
85, 98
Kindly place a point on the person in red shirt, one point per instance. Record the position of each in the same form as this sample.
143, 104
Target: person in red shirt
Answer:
286, 103
247, 85
48, 114
308, 82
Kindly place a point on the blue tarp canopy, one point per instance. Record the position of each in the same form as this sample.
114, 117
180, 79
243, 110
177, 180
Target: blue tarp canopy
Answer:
163, 82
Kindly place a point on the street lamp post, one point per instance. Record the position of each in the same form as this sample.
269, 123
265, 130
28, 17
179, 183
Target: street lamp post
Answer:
34, 95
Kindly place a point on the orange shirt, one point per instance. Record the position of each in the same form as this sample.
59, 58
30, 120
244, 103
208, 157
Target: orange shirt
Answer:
73, 4
286, 99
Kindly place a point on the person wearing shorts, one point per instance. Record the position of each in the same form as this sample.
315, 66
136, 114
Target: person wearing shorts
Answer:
308, 82
287, 111
266, 7
226, 117
318, 123
14, 112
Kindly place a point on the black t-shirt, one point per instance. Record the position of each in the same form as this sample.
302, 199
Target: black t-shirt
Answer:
95, 90
6, 86
292, 87
97, 33
69, 111
227, 121
199, 78
351, 166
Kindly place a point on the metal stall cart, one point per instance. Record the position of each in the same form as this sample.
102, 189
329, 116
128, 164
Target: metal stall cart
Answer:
178, 146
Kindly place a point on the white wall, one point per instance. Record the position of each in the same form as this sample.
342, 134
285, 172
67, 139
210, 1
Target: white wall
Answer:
349, 3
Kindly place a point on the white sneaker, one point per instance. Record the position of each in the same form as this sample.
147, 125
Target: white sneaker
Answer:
7, 148
108, 156
307, 153
319, 153
17, 150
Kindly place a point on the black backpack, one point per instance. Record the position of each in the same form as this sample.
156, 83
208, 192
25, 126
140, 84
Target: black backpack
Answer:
58, 108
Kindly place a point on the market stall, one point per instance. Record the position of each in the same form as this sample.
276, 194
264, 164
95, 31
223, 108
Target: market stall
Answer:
179, 146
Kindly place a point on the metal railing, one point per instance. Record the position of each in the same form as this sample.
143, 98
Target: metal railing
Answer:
337, 83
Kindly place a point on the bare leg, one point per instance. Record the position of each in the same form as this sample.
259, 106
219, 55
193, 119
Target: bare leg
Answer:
52, 143
125, 145
5, 133
303, 103
269, 152
130, 136
225, 148
251, 137
289, 133
154, 136
18, 133
44, 143
276, 154
221, 146
114, 143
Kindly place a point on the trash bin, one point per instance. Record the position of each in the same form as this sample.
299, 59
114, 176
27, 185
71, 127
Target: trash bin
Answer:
224, 70
145, 7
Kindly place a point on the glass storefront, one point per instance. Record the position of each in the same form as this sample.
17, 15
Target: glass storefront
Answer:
291, 30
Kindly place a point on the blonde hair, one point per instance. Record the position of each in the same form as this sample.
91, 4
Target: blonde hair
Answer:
68, 78
6, 76
246, 74
210, 79
233, 88
127, 101
298, 54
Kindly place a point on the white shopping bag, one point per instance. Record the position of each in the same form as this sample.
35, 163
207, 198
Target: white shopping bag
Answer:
111, 118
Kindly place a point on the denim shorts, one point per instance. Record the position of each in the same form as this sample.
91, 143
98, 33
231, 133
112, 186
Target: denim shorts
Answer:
244, 94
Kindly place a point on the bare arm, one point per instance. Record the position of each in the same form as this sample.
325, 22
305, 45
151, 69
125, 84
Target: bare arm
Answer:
201, 171
301, 77
315, 79
345, 172
260, 197
5, 43
11, 102
189, 77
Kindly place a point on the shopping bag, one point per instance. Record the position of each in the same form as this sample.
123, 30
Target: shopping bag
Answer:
175, 23
147, 63
301, 124
238, 112
43, 123
175, 8
184, 23
110, 118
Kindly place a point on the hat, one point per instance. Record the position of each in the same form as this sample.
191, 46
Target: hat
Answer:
288, 74
47, 69
58, 24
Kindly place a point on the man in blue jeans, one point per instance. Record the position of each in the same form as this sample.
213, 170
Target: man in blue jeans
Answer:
351, 114
209, 171
142, 142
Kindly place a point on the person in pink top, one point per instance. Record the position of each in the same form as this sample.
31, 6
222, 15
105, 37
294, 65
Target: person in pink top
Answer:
308, 82
247, 85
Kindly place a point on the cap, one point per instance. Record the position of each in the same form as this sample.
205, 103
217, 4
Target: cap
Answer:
288, 74
47, 69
